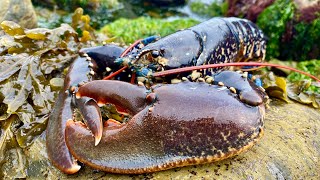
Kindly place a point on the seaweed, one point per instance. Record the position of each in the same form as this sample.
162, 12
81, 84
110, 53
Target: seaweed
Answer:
24, 85
273, 21
288, 36
127, 31
296, 86
210, 10
29, 59
311, 67
304, 42
298, 91
275, 86
12, 159
101, 12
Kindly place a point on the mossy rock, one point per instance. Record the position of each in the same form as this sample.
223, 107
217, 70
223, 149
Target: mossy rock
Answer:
19, 11
209, 9
290, 149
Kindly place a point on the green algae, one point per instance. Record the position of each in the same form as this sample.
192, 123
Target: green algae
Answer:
210, 10
127, 31
288, 38
273, 22
311, 67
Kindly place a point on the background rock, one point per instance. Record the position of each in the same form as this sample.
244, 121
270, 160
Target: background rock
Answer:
289, 149
19, 11
308, 10
166, 2
249, 9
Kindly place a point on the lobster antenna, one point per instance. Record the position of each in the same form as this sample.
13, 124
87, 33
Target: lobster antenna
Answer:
192, 68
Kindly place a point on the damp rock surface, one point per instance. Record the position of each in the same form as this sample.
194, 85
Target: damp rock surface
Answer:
19, 11
289, 149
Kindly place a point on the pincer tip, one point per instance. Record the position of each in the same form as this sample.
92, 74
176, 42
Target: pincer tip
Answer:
97, 139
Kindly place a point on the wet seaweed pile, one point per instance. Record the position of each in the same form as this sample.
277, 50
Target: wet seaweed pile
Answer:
32, 65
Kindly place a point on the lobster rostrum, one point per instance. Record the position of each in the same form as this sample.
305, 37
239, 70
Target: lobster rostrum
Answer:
170, 125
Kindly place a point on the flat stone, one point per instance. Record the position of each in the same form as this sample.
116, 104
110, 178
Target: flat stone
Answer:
289, 149
19, 11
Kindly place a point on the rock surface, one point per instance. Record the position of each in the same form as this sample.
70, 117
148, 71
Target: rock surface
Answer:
19, 11
249, 9
308, 10
290, 149
166, 2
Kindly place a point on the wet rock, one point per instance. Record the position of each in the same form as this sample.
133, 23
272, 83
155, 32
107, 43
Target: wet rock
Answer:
289, 149
291, 27
249, 9
307, 10
166, 2
19, 11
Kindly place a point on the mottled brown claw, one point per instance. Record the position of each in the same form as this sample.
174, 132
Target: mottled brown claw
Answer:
185, 124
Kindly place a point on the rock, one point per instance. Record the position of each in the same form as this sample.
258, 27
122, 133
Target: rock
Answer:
166, 2
249, 9
308, 10
292, 32
19, 11
289, 149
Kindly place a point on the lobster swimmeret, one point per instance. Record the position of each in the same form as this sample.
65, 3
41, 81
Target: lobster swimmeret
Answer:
171, 125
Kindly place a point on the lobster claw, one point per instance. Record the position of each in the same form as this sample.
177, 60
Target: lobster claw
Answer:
126, 97
82, 70
56, 147
91, 114
175, 125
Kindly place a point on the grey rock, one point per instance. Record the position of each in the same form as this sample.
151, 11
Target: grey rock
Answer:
19, 11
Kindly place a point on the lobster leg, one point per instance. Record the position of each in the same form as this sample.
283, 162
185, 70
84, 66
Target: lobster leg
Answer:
82, 70
248, 93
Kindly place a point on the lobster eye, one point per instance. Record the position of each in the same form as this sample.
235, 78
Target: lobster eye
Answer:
155, 54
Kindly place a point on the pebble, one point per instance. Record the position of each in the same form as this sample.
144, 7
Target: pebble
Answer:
56, 82
175, 81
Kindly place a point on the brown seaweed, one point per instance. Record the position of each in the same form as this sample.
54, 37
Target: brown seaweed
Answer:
29, 58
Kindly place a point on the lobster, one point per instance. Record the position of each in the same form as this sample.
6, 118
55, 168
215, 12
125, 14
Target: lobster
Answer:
170, 125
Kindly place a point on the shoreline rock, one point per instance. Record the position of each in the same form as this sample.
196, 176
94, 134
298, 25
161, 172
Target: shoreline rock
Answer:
19, 11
